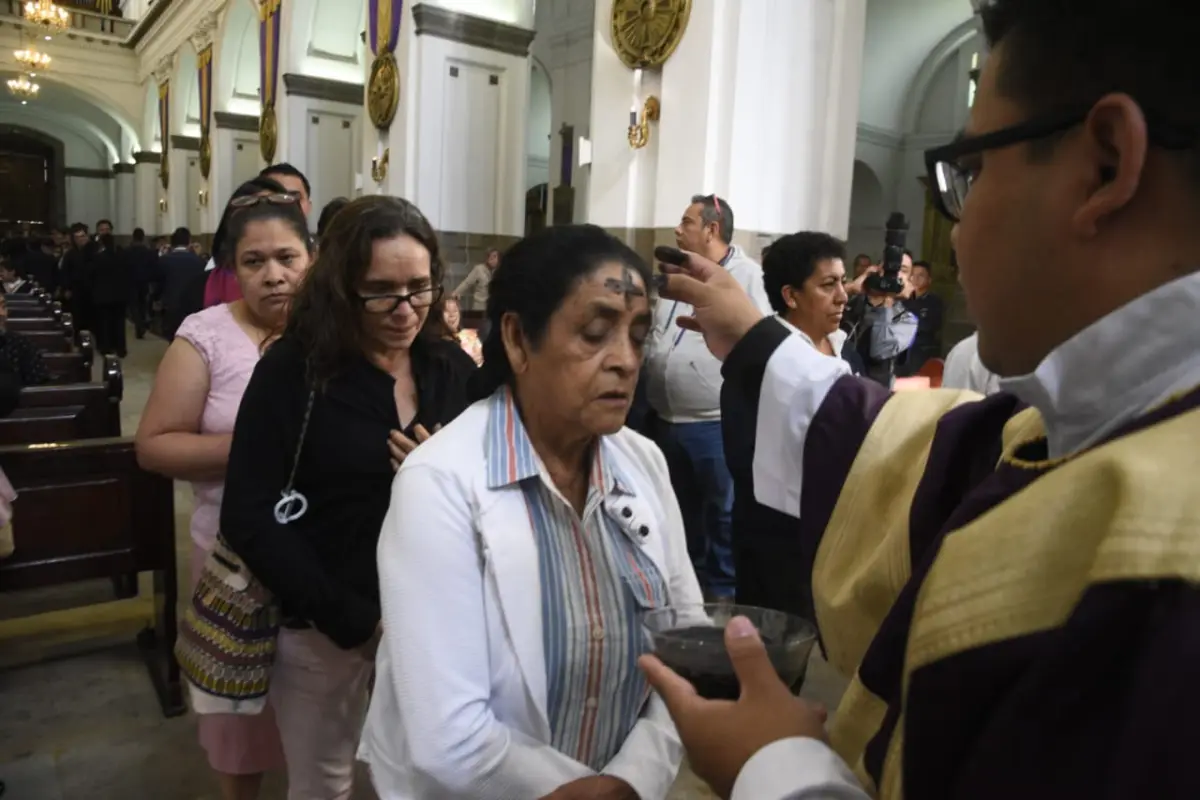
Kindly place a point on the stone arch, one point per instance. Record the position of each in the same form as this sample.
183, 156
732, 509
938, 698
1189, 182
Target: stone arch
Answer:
327, 42
236, 66
185, 94
539, 131
150, 135
868, 212
946, 49
69, 98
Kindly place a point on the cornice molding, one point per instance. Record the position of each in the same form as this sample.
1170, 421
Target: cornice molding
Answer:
324, 89
872, 134
471, 30
81, 172
120, 168
147, 157
189, 143
205, 32
238, 122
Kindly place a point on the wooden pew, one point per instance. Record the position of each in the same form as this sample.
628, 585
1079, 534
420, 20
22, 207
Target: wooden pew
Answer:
87, 511
68, 367
66, 412
51, 341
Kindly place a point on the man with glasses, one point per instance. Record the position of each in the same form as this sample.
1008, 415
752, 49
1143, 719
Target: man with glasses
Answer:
1014, 583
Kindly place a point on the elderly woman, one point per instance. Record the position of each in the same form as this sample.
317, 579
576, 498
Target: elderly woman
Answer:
523, 544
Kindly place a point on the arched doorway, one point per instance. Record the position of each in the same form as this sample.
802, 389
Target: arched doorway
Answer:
868, 212
32, 182
537, 150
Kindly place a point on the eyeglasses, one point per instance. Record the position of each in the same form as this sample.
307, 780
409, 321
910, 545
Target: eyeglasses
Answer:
275, 198
952, 169
388, 303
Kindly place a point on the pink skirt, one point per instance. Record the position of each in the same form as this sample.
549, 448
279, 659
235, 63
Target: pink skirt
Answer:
237, 744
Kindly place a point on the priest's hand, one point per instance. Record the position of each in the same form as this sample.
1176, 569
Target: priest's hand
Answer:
595, 787
721, 309
720, 736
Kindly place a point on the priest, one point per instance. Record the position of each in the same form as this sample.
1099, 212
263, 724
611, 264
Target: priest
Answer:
1013, 582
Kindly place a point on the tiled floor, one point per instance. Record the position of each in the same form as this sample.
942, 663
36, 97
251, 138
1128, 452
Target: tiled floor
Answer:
85, 724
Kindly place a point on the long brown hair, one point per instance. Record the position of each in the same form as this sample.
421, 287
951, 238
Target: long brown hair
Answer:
327, 315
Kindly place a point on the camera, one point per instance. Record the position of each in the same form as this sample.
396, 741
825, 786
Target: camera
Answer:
888, 281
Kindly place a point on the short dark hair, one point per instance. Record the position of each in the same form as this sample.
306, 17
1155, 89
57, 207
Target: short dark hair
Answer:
100, 222
909, 253
329, 212
1064, 54
77, 227
139, 235
535, 276
182, 237
715, 209
925, 265
792, 260
327, 315
249, 188
235, 221
284, 168
861, 256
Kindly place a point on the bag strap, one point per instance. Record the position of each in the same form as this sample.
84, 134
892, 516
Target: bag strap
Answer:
291, 481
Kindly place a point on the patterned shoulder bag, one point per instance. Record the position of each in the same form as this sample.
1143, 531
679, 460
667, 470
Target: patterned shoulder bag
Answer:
227, 639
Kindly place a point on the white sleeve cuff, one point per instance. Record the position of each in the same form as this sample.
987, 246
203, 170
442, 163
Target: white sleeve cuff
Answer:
797, 769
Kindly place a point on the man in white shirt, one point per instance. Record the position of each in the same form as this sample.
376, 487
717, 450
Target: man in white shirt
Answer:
1013, 582
964, 370
683, 387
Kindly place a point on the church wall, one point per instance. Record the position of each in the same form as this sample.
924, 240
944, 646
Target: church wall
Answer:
89, 197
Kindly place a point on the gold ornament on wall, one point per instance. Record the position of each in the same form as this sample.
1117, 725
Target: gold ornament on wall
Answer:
379, 166
639, 128
205, 156
268, 133
383, 91
646, 32
164, 172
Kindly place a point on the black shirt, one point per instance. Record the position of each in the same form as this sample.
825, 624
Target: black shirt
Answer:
322, 566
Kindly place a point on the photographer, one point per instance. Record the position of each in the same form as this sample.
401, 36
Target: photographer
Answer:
878, 326
1012, 581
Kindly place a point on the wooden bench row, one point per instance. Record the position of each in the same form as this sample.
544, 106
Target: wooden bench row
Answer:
86, 510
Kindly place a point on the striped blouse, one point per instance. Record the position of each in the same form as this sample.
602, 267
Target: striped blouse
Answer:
595, 584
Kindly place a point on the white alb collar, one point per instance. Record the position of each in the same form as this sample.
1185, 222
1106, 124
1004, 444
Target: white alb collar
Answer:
1117, 368
837, 339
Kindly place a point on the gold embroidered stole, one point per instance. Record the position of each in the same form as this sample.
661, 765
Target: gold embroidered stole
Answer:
1126, 510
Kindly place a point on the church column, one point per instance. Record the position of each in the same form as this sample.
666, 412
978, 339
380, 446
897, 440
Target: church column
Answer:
146, 190
758, 103
171, 173
235, 138
457, 145
126, 200
210, 205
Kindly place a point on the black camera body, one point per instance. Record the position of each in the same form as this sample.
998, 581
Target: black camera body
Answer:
888, 280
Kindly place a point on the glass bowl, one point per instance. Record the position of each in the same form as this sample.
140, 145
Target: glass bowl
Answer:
690, 639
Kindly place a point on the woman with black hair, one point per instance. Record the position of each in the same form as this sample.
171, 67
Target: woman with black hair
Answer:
187, 426
332, 409
523, 544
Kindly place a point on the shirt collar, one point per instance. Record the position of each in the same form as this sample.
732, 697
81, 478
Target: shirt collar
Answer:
1116, 369
837, 338
511, 458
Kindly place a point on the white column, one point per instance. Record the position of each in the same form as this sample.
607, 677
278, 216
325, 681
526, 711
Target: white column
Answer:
124, 209
759, 105
457, 147
290, 110
178, 200
146, 189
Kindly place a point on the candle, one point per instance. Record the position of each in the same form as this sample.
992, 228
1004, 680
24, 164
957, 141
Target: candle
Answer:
633, 117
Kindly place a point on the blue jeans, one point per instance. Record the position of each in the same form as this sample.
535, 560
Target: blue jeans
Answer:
695, 456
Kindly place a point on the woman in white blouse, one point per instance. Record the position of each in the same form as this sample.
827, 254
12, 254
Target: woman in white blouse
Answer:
523, 544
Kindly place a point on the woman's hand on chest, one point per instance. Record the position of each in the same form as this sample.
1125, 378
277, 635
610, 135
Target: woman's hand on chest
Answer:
400, 445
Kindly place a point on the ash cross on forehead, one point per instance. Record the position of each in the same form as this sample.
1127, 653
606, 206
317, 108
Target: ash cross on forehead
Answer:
625, 286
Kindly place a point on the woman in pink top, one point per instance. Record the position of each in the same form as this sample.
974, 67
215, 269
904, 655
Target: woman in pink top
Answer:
187, 425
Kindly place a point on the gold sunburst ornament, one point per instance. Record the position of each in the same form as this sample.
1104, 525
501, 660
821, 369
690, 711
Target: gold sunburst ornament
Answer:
646, 32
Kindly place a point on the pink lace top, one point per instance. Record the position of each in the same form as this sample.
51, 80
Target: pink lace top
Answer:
231, 356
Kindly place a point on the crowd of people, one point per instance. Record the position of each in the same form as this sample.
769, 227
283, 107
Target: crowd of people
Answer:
440, 559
